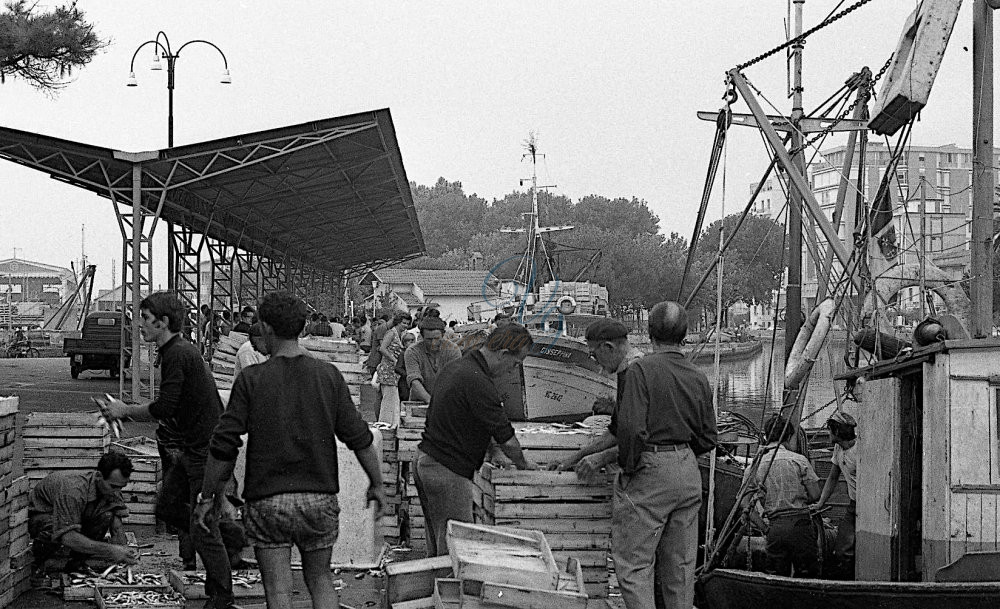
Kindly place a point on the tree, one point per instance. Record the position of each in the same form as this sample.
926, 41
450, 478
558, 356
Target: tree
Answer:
43, 48
754, 262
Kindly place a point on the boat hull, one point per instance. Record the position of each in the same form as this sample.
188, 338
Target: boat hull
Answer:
732, 589
557, 391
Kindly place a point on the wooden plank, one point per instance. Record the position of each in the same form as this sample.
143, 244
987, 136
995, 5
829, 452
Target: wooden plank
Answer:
878, 447
935, 517
957, 542
414, 579
559, 525
45, 419
65, 443
552, 494
591, 511
65, 431
970, 427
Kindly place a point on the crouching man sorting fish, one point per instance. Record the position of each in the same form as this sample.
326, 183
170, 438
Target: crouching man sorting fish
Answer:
80, 510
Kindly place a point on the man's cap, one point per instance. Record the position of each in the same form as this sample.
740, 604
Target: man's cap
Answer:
429, 322
256, 330
247, 310
844, 419
606, 329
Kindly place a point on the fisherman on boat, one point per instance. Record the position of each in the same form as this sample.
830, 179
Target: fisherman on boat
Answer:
785, 484
843, 433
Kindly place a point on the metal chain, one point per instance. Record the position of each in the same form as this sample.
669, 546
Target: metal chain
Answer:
843, 115
801, 37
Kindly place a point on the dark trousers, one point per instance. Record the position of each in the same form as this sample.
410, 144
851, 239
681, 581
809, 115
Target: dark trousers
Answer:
95, 525
843, 545
791, 543
186, 475
175, 510
444, 496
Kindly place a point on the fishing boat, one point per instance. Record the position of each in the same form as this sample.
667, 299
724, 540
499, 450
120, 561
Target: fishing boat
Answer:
558, 381
928, 517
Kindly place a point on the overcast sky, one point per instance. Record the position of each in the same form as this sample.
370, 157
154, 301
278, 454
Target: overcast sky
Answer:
611, 88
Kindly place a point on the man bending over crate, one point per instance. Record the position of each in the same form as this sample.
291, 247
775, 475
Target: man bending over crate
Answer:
292, 407
79, 510
464, 415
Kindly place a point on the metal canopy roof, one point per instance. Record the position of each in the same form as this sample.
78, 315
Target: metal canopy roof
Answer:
332, 194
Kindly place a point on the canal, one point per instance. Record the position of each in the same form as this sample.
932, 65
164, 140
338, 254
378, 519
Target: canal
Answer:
752, 386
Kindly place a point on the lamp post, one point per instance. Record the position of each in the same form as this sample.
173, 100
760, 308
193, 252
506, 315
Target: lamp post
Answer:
162, 50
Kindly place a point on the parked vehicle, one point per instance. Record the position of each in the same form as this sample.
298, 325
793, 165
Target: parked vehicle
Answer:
99, 347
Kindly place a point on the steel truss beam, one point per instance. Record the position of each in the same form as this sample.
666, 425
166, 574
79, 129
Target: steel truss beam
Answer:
186, 247
223, 257
249, 274
273, 275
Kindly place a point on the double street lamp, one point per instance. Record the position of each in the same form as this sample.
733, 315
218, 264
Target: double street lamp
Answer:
162, 50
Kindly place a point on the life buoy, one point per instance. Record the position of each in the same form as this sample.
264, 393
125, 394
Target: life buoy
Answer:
566, 305
808, 343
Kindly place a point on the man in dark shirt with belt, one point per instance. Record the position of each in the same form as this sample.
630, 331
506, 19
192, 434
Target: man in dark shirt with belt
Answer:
292, 407
189, 399
464, 415
663, 420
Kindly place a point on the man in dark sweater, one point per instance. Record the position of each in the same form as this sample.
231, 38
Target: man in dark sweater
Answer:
189, 401
464, 415
293, 408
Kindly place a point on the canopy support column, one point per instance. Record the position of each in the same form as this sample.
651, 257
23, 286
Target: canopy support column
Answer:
186, 245
249, 273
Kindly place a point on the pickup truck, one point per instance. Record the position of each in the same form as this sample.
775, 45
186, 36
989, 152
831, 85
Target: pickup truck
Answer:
99, 347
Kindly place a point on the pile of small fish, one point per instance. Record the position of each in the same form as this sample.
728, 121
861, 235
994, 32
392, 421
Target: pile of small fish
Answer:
136, 598
246, 579
124, 577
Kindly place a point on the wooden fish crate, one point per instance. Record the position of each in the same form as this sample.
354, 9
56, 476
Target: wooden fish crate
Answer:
86, 591
546, 443
574, 516
104, 599
503, 555
61, 441
147, 475
252, 586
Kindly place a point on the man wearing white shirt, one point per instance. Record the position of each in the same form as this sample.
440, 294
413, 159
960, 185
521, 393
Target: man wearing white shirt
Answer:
254, 351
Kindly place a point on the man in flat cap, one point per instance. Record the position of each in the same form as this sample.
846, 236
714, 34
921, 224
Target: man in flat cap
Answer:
607, 340
843, 434
425, 359
662, 421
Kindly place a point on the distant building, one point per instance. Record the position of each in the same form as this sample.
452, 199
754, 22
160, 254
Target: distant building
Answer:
947, 173
111, 300
450, 291
32, 290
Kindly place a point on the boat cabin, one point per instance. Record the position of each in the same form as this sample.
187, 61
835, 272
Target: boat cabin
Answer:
929, 461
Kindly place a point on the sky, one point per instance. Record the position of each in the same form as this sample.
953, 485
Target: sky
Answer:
610, 88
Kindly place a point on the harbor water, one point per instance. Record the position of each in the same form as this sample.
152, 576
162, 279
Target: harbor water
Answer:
753, 386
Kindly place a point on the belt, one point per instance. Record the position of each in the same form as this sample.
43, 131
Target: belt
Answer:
664, 448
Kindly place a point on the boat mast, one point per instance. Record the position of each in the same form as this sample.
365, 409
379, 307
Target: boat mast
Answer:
793, 288
981, 291
526, 274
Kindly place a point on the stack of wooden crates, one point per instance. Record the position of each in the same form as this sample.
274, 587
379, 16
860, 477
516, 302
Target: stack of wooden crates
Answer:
343, 353
413, 419
144, 484
63, 441
389, 524
15, 552
574, 516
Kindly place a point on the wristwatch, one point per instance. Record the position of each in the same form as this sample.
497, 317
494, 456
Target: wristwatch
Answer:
201, 499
